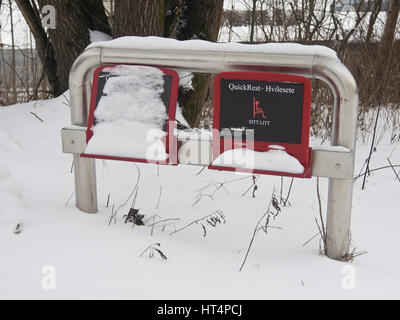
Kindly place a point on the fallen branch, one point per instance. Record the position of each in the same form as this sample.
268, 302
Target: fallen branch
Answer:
308, 241
198, 173
37, 116
218, 186
376, 169
323, 229
262, 226
159, 198
108, 200
164, 220
114, 214
217, 217
135, 189
290, 189
69, 199
253, 186
372, 149
349, 257
391, 165
154, 248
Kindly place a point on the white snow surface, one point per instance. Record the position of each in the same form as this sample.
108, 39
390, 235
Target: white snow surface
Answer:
158, 43
97, 36
95, 260
316, 146
130, 116
271, 160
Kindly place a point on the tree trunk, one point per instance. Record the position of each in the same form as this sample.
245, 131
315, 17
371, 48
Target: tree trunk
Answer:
374, 15
390, 25
172, 12
43, 46
13, 66
253, 21
59, 47
386, 56
200, 20
138, 18
95, 15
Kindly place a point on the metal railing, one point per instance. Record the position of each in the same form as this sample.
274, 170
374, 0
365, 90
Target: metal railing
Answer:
337, 166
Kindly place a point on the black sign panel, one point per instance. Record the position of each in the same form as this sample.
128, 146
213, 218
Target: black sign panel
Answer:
274, 110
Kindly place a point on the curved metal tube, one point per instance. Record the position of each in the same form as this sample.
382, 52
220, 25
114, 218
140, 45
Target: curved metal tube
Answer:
327, 69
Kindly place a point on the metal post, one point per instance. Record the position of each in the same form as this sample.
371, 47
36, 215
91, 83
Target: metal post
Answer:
84, 168
85, 184
340, 191
328, 69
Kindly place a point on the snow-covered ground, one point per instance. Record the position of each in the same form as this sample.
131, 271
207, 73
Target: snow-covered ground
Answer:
65, 253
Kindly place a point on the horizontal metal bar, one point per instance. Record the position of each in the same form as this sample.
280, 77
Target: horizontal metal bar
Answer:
325, 163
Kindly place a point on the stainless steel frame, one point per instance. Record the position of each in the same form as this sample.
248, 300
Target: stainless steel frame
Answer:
337, 166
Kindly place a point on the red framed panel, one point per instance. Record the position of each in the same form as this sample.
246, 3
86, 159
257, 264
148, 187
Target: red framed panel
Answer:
299, 149
170, 140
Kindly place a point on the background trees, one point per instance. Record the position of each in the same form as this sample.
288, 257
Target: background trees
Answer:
182, 19
138, 17
365, 38
59, 47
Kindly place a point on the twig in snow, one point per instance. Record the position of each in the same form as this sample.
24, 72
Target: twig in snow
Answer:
213, 219
164, 224
162, 221
151, 249
253, 186
322, 230
69, 199
135, 189
308, 241
323, 250
68, 104
200, 193
159, 198
290, 189
376, 169
108, 200
372, 149
152, 217
37, 116
112, 216
349, 257
391, 165
263, 224
202, 169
